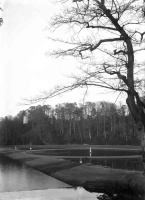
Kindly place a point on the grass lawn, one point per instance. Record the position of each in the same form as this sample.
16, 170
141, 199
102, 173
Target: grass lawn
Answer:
77, 146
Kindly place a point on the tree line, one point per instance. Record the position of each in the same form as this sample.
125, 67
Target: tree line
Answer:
69, 123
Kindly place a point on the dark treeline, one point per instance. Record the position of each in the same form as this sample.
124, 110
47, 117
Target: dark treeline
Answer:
68, 123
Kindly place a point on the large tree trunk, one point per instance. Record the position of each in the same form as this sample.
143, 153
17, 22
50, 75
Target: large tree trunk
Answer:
138, 113
136, 107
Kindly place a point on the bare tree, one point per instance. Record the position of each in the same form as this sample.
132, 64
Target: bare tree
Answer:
108, 36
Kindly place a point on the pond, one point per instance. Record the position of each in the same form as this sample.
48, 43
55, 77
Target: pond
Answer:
18, 181
16, 177
116, 159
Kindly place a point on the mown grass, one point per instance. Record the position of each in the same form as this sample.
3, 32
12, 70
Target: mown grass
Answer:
76, 146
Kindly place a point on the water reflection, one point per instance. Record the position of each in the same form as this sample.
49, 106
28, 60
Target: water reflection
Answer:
129, 164
86, 152
78, 155
16, 177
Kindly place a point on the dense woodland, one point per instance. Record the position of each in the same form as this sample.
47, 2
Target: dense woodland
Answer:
69, 123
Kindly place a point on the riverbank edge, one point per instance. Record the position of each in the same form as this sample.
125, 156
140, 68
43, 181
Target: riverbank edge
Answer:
72, 173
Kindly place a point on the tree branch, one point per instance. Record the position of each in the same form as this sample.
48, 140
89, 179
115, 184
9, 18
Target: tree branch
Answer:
120, 51
107, 87
105, 40
103, 27
120, 76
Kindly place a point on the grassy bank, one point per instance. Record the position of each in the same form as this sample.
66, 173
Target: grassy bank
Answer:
75, 174
77, 146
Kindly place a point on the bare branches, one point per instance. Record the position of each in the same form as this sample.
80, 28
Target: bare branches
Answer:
141, 35
102, 27
120, 76
82, 47
120, 51
56, 91
104, 41
64, 89
107, 33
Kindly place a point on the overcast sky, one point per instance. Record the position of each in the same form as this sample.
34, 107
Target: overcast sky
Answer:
25, 70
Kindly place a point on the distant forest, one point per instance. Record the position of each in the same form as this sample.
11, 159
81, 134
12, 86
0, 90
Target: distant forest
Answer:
69, 123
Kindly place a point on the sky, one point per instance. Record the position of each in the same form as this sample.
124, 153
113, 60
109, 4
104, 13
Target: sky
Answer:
25, 69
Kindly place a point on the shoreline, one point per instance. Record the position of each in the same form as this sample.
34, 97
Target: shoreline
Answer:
74, 174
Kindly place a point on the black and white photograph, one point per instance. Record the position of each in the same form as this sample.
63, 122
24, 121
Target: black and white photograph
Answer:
72, 103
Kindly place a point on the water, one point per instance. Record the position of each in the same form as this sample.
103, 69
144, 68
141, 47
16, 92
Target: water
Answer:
17, 177
86, 152
24, 183
116, 159
126, 164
